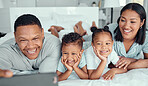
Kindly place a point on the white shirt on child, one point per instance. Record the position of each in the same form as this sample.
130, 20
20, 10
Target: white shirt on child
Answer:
93, 61
62, 68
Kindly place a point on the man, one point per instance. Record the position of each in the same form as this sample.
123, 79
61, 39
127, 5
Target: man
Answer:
30, 50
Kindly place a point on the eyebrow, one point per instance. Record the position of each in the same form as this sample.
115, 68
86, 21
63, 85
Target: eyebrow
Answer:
25, 38
105, 41
130, 19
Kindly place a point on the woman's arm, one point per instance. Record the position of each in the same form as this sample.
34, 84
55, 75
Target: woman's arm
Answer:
141, 63
82, 73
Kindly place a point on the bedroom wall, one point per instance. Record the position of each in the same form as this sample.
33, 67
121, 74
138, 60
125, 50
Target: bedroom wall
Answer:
4, 20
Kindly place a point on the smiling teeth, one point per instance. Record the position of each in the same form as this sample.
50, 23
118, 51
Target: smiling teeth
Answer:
104, 51
127, 30
31, 52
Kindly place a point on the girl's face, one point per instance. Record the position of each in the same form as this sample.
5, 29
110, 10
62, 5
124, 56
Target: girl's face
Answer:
129, 24
103, 43
71, 52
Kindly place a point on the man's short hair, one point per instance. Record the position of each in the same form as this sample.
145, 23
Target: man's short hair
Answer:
26, 19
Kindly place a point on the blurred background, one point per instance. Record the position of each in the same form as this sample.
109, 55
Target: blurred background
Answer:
108, 11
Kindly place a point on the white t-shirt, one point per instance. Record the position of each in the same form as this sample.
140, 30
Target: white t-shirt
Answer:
93, 61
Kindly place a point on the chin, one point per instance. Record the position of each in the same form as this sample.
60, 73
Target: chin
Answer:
71, 65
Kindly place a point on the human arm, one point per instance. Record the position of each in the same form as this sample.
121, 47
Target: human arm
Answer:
124, 62
141, 63
66, 74
96, 74
63, 76
82, 73
111, 73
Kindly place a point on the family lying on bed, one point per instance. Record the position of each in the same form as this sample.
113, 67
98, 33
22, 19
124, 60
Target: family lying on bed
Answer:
32, 49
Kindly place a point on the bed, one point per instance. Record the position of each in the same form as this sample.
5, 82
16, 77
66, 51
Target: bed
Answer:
135, 77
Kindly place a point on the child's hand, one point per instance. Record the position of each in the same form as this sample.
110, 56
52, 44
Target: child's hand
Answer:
98, 55
66, 65
123, 62
78, 60
109, 75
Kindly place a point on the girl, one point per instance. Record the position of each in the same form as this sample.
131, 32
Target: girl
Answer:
100, 54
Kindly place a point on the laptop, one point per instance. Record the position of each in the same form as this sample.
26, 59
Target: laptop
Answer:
41, 79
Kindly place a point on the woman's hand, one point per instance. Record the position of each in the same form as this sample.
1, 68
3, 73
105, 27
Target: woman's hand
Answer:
66, 65
123, 62
102, 58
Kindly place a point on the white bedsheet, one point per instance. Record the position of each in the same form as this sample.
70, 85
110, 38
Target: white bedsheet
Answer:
136, 77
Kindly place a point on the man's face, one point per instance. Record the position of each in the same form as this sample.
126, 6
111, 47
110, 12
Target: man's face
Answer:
30, 40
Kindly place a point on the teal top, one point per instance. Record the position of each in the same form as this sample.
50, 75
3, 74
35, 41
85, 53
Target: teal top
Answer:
136, 51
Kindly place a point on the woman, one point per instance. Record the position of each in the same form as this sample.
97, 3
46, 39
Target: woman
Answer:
131, 37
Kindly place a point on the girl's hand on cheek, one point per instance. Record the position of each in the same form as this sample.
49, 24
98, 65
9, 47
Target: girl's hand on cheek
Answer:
102, 58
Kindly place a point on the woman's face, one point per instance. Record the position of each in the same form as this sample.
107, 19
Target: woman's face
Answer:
129, 24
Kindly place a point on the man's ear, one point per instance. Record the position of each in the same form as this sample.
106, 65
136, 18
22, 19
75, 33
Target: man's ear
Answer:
14, 35
42, 33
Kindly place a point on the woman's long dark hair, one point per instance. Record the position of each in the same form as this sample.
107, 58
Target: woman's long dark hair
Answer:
140, 37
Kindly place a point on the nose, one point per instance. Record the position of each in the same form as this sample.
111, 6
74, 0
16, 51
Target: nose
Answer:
103, 46
69, 56
30, 44
126, 25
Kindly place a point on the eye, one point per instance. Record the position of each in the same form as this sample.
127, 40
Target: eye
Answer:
35, 38
73, 53
98, 43
23, 40
133, 22
108, 43
65, 53
122, 20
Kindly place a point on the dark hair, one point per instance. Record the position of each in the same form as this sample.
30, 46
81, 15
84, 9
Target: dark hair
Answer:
140, 37
97, 31
26, 19
72, 38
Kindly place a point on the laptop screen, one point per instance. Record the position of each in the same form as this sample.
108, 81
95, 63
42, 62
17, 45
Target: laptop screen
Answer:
42, 79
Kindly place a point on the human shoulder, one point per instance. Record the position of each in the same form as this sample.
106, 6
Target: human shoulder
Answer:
146, 37
113, 57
